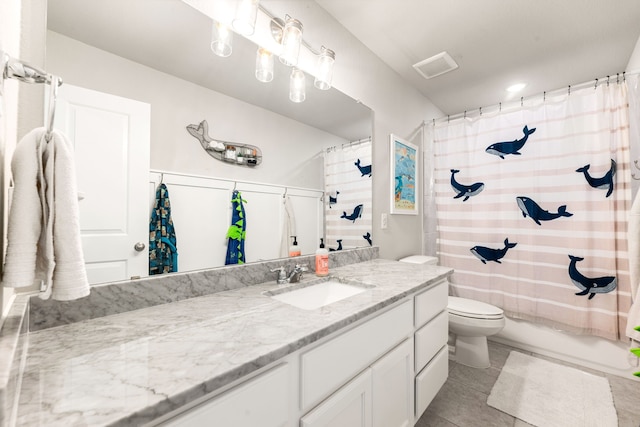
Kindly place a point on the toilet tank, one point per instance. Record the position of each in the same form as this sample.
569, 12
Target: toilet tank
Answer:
420, 259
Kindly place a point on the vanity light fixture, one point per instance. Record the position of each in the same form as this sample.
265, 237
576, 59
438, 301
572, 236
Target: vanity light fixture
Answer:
246, 15
221, 39
264, 65
291, 41
297, 83
289, 46
324, 71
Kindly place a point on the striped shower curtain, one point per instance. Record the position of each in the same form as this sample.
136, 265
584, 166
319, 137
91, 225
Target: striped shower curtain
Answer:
348, 196
532, 207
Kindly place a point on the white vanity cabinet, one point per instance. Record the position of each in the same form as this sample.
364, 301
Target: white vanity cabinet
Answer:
431, 350
392, 385
401, 354
388, 378
382, 372
348, 407
264, 401
380, 396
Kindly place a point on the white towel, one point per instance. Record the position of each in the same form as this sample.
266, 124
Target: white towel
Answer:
288, 227
44, 244
25, 215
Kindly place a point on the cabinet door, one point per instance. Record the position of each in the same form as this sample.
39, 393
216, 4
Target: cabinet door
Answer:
348, 407
262, 401
392, 385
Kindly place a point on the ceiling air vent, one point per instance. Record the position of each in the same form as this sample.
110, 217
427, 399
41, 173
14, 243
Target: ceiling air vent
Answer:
436, 65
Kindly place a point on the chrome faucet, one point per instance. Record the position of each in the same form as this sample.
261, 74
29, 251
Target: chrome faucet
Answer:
294, 277
296, 274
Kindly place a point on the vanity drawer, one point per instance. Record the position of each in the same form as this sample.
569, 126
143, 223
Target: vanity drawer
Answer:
328, 366
431, 379
430, 338
431, 302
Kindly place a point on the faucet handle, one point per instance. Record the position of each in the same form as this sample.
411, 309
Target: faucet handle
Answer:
300, 269
282, 273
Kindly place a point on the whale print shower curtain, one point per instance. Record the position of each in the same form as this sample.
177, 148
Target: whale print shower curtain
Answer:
532, 208
347, 182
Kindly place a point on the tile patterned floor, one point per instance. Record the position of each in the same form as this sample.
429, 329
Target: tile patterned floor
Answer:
462, 401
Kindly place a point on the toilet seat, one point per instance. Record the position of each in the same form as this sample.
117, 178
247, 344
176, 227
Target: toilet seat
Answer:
464, 307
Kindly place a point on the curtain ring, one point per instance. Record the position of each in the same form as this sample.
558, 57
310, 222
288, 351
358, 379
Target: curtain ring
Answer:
569, 90
596, 85
624, 78
544, 96
522, 101
500, 107
617, 78
607, 80
465, 114
480, 109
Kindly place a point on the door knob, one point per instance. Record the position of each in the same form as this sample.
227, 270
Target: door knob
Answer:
139, 246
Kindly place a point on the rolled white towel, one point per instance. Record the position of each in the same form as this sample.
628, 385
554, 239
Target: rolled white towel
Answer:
68, 279
25, 215
44, 246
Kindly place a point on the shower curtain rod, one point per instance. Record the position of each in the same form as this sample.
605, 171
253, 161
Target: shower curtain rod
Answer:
16, 69
345, 145
357, 142
510, 105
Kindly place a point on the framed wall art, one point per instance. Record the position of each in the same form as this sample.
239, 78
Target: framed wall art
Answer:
404, 176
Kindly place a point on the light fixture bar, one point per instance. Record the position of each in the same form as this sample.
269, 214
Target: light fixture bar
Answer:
278, 21
245, 18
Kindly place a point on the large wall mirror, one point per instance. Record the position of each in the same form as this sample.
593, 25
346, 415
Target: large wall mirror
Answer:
157, 54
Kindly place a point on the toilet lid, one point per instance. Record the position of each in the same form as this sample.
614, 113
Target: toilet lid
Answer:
420, 259
471, 308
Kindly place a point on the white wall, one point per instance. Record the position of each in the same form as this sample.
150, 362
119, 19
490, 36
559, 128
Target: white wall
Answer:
20, 105
10, 43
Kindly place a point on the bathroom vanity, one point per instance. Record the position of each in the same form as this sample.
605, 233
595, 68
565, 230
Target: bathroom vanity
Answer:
244, 358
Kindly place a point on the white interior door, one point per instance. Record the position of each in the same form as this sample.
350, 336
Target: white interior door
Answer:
111, 138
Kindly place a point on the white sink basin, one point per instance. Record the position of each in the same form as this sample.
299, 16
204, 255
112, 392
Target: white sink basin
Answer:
317, 295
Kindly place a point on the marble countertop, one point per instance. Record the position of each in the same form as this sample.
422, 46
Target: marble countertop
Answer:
133, 367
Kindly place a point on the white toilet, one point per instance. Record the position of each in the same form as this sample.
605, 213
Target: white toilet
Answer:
470, 323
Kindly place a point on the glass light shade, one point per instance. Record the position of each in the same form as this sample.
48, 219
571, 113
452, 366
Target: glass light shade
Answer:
291, 40
221, 39
297, 83
324, 71
246, 14
264, 65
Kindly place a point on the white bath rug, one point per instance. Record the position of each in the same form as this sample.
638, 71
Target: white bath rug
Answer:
546, 394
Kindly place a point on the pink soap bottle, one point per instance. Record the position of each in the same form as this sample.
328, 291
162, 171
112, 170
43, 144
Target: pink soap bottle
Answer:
322, 260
